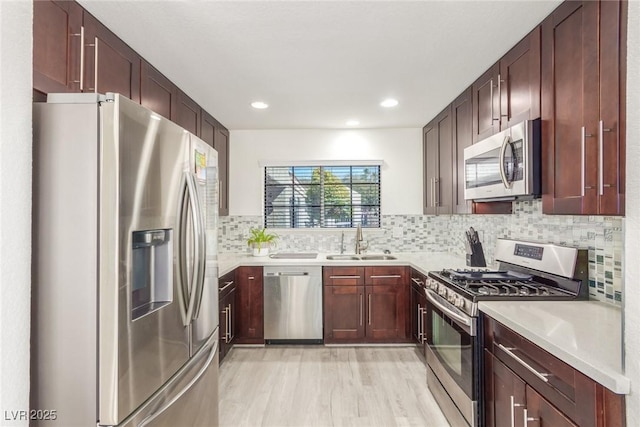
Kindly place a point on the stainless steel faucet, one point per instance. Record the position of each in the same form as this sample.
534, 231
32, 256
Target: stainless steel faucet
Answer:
360, 246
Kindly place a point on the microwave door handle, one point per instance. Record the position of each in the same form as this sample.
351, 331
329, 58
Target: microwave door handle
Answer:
503, 150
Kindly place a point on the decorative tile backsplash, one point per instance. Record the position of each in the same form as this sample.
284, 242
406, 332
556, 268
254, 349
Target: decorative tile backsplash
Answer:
603, 236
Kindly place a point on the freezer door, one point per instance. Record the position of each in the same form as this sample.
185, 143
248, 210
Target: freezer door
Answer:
143, 340
203, 165
189, 399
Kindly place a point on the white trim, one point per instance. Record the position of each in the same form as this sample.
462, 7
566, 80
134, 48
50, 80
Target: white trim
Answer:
285, 163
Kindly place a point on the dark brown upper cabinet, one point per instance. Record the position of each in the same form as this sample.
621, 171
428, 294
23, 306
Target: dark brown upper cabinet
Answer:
461, 112
438, 164
157, 93
508, 92
216, 135
583, 95
486, 104
520, 81
109, 64
57, 29
187, 113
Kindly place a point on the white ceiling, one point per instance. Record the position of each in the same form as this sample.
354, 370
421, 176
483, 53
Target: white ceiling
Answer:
320, 63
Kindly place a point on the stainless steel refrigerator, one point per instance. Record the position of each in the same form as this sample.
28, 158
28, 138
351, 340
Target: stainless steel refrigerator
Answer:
125, 291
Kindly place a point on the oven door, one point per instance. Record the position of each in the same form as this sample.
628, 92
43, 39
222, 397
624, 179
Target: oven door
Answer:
452, 354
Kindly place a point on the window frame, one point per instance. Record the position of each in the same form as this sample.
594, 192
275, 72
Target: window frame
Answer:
355, 209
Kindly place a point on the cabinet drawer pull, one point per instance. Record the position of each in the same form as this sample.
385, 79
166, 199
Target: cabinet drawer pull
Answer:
387, 276
251, 277
226, 285
344, 277
417, 281
509, 351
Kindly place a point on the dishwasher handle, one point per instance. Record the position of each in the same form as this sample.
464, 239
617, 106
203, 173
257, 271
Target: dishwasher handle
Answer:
284, 273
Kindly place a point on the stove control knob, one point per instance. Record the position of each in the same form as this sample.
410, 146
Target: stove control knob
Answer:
442, 290
452, 297
459, 302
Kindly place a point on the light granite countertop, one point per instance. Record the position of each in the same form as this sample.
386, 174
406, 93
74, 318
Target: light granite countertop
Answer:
421, 261
584, 334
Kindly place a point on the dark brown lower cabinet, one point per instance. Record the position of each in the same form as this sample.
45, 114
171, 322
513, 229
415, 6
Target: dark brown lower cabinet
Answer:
515, 396
417, 307
343, 314
227, 310
366, 304
250, 300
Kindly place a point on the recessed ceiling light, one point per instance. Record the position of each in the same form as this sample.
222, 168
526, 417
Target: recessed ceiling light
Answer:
389, 102
352, 123
259, 105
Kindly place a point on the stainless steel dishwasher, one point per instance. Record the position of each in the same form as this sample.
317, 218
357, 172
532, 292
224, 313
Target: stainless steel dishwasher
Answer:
293, 304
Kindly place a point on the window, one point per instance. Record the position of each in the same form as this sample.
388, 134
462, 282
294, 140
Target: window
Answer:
321, 196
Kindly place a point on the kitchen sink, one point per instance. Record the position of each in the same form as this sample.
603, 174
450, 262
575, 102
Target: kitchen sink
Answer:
343, 257
377, 257
294, 255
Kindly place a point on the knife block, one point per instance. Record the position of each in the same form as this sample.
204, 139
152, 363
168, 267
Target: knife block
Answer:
476, 257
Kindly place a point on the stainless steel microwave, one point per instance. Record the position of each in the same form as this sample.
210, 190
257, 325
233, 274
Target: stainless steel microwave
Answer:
505, 166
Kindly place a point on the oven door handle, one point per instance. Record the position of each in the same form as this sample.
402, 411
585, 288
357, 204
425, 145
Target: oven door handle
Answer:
467, 321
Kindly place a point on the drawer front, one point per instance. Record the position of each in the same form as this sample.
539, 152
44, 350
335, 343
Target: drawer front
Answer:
570, 390
343, 276
226, 284
393, 275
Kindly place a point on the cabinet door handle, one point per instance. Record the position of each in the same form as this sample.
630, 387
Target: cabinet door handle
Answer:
95, 70
583, 137
514, 405
583, 142
386, 276
226, 325
95, 64
369, 311
436, 191
601, 131
344, 277
527, 418
491, 98
81, 77
509, 351
230, 322
219, 194
500, 81
361, 309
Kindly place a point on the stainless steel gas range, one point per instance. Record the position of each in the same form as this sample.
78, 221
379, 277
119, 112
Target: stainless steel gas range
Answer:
526, 270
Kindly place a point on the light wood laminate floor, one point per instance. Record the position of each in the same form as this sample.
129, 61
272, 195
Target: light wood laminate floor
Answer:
326, 386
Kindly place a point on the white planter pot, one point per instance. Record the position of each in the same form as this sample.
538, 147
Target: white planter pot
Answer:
263, 251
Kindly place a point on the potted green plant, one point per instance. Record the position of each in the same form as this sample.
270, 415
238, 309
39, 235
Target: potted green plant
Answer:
260, 241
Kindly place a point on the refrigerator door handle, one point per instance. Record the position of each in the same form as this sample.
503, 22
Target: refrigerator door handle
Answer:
212, 354
196, 285
201, 256
183, 288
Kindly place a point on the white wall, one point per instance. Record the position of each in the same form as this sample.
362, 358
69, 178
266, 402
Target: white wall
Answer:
632, 221
401, 150
15, 205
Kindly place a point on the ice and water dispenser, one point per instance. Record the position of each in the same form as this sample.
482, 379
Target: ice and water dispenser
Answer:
152, 271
